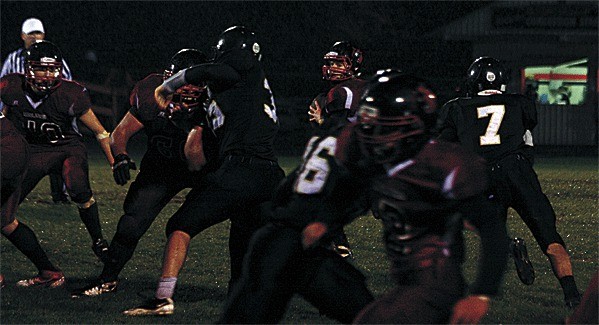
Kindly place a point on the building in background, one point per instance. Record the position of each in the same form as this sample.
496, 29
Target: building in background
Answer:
551, 48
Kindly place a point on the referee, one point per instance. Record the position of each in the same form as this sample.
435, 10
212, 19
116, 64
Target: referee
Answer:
31, 32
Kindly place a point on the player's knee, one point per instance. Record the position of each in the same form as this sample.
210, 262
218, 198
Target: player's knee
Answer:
9, 228
129, 230
86, 204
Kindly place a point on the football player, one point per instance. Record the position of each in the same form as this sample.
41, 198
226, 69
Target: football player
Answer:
44, 107
14, 149
276, 266
341, 70
243, 116
155, 185
493, 124
422, 190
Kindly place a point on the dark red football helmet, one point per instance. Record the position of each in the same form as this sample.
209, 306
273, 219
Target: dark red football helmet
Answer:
397, 112
342, 61
43, 66
190, 95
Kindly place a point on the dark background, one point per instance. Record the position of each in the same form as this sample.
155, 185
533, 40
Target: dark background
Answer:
139, 37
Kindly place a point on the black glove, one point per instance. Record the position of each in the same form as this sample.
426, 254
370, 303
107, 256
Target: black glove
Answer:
120, 169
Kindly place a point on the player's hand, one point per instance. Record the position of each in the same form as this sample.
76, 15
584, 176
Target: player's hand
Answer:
121, 167
315, 113
163, 97
470, 310
312, 233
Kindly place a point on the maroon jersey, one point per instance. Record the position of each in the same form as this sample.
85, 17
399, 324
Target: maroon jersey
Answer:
165, 140
343, 99
50, 120
421, 202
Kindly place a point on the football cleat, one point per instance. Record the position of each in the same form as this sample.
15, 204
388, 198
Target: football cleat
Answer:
153, 307
95, 289
47, 279
100, 248
524, 268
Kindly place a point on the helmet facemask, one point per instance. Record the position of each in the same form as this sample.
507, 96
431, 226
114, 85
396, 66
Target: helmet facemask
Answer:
43, 76
337, 67
390, 139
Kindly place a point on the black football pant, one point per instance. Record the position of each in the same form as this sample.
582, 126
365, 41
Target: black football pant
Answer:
153, 188
276, 267
234, 191
515, 184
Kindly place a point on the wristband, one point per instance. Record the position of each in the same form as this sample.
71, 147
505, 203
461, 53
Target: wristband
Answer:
103, 135
483, 297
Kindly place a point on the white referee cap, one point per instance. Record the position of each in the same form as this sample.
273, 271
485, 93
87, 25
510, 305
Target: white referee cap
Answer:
32, 25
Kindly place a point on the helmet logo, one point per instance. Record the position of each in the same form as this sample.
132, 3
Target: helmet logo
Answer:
256, 48
47, 60
490, 76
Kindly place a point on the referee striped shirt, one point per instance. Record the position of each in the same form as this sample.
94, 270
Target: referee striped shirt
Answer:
15, 63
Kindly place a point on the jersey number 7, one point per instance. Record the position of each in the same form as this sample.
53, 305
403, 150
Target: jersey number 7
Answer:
496, 111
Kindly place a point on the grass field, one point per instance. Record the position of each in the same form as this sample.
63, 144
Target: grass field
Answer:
570, 183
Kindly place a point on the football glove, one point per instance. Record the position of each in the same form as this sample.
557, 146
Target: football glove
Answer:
121, 167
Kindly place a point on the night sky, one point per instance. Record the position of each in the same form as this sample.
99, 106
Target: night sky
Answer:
140, 36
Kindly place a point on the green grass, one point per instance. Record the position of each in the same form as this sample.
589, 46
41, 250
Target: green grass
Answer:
570, 184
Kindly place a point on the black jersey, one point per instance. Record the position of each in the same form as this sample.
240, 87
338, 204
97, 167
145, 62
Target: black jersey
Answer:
50, 120
492, 126
242, 110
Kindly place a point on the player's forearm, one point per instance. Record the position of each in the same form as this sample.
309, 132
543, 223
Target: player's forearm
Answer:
194, 151
105, 145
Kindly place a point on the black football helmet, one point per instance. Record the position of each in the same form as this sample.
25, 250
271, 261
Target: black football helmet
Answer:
190, 95
396, 115
237, 37
342, 61
43, 66
486, 73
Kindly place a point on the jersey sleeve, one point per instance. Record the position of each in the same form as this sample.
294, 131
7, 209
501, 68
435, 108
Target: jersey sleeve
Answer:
447, 128
529, 112
143, 105
82, 102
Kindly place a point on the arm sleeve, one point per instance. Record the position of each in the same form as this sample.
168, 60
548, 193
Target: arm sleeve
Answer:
494, 244
447, 128
530, 114
220, 74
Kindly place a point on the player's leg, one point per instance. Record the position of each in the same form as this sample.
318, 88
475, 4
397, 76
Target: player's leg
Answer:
503, 197
249, 184
538, 214
58, 189
334, 286
269, 274
76, 176
423, 297
15, 149
146, 197
27, 243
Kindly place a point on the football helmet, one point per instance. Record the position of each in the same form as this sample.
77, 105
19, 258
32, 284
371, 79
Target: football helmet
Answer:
396, 115
342, 61
191, 95
486, 73
237, 37
43, 66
